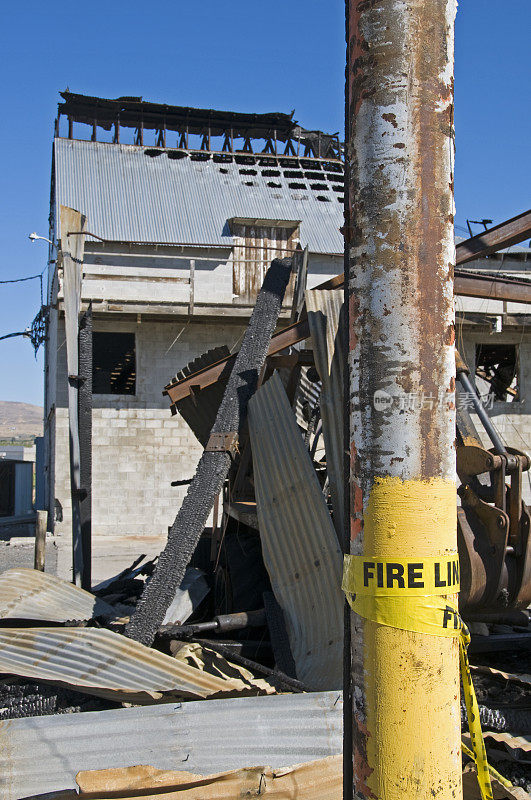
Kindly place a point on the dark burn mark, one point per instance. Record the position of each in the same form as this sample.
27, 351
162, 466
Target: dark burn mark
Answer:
389, 117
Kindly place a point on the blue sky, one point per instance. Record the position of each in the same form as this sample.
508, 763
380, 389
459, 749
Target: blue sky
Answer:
242, 56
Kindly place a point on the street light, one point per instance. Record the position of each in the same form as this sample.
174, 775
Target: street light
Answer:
33, 237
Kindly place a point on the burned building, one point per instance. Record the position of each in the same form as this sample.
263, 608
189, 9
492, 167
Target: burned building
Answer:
185, 209
186, 218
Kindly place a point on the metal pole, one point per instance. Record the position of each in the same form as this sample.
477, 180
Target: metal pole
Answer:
406, 720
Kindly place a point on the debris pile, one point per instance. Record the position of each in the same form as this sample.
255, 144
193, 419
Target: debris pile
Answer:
245, 613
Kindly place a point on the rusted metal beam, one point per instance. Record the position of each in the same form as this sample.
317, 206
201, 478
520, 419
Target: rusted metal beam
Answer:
504, 235
284, 338
496, 288
492, 288
399, 153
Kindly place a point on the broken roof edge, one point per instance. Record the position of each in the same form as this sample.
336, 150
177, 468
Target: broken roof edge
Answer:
134, 110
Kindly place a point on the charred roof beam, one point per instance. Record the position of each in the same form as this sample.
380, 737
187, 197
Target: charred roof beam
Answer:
133, 112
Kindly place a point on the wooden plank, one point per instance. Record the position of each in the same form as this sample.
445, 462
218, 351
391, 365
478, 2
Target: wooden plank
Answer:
41, 524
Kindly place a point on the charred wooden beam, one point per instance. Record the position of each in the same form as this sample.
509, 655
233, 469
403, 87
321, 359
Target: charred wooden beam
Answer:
214, 464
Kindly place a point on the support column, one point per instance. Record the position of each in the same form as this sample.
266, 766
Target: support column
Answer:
400, 255
85, 445
71, 252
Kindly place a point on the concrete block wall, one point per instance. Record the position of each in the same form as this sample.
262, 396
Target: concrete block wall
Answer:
138, 448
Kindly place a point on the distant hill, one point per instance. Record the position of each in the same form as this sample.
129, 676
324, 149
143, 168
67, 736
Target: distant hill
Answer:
19, 420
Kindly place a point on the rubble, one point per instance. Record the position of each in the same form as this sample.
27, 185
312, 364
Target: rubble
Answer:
246, 616
31, 594
105, 664
216, 459
168, 736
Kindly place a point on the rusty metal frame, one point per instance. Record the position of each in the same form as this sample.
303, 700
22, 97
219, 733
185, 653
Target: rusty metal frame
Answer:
466, 284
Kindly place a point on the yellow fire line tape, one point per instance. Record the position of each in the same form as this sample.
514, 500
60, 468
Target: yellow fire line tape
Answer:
410, 595
493, 772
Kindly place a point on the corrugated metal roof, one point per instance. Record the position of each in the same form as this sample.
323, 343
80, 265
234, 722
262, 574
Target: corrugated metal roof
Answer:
325, 310
30, 594
104, 663
128, 195
43, 754
299, 543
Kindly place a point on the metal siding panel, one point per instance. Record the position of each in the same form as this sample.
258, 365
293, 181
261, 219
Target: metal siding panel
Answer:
103, 663
23, 488
325, 317
129, 196
300, 546
30, 594
43, 754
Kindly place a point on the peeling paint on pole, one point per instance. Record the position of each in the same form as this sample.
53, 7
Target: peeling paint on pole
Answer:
401, 371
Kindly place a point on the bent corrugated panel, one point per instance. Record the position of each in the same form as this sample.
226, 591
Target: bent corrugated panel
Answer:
31, 594
103, 663
44, 754
317, 780
300, 546
325, 317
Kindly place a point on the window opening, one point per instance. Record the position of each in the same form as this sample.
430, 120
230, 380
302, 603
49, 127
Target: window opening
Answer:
113, 363
497, 372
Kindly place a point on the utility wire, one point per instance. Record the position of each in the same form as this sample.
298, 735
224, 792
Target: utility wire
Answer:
21, 280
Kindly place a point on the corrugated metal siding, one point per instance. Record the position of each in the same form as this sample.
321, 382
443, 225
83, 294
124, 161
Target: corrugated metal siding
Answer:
133, 197
30, 594
299, 543
325, 317
43, 754
103, 662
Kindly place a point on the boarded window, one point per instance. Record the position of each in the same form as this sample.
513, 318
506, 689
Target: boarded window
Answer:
113, 363
256, 244
497, 371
